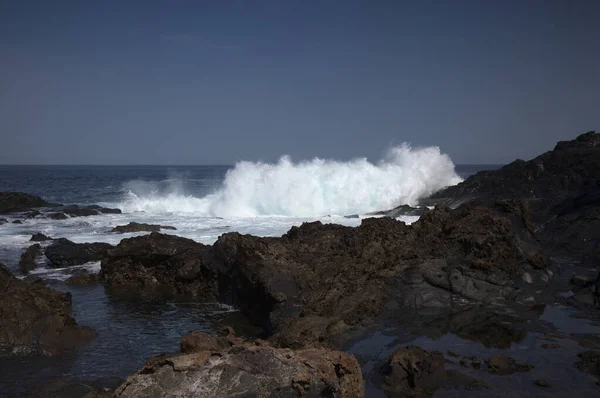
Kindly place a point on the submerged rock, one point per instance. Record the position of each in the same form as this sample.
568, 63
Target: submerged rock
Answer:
83, 278
36, 319
218, 370
12, 202
140, 227
64, 253
27, 262
39, 237
412, 371
3, 221
56, 216
503, 365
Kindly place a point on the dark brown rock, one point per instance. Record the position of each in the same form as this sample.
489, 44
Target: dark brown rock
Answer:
412, 371
503, 365
140, 227
39, 237
64, 253
160, 261
543, 383
83, 278
27, 262
589, 362
36, 319
11, 202
248, 370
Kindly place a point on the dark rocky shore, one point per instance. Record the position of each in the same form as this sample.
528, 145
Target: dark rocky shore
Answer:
514, 237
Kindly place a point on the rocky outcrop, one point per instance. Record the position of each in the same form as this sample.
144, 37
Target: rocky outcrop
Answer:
65, 212
27, 262
36, 319
39, 237
220, 370
413, 371
12, 202
403, 210
64, 253
140, 227
160, 261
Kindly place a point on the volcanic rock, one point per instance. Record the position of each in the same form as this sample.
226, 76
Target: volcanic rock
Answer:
247, 370
412, 371
11, 202
35, 319
39, 237
27, 262
140, 227
160, 261
63, 253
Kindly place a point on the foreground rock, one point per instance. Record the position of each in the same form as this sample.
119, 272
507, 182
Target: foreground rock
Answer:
220, 370
413, 371
64, 253
27, 262
160, 261
140, 227
36, 319
12, 202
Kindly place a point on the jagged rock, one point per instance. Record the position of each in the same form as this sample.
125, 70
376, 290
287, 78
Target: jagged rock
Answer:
36, 319
247, 370
503, 365
27, 262
403, 210
160, 261
39, 237
11, 202
57, 216
140, 227
63, 253
412, 371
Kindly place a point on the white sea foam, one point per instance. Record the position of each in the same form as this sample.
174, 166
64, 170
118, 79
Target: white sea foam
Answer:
307, 189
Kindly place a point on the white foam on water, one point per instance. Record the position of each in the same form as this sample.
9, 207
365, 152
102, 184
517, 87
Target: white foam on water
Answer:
312, 188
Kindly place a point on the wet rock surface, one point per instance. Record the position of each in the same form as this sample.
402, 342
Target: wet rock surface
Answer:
35, 319
83, 278
140, 227
160, 261
64, 253
589, 362
12, 202
505, 365
27, 262
39, 237
217, 369
412, 371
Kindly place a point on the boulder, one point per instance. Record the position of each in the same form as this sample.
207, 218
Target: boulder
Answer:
57, 216
64, 253
247, 370
160, 261
11, 202
27, 262
412, 371
140, 227
39, 237
36, 319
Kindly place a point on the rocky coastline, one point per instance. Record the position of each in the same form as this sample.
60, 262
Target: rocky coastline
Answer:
514, 237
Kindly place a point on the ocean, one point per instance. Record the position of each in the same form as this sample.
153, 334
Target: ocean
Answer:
202, 202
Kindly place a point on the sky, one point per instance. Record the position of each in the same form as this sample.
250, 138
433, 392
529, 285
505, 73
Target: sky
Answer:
215, 82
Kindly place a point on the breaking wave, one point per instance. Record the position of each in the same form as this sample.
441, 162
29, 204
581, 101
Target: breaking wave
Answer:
310, 188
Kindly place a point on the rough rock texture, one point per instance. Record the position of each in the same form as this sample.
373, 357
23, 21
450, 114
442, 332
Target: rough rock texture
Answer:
561, 186
39, 237
589, 362
412, 370
11, 202
503, 365
27, 262
63, 253
35, 319
160, 261
321, 279
247, 370
83, 278
403, 210
140, 227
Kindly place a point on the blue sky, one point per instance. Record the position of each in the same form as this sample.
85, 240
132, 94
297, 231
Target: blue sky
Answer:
193, 82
